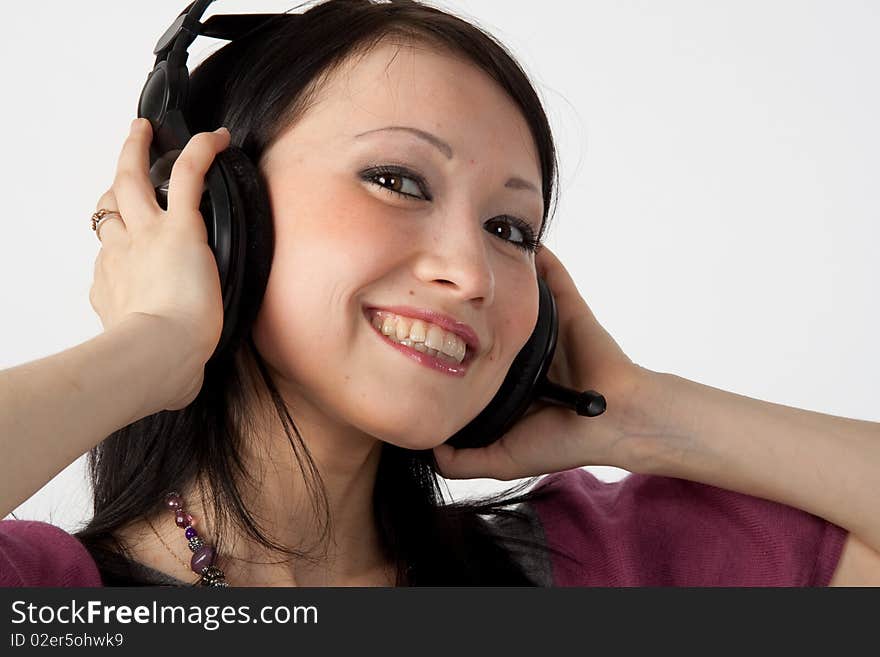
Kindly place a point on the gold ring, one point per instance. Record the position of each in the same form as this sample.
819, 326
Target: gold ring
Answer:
99, 217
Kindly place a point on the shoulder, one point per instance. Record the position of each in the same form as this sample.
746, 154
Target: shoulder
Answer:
34, 553
647, 530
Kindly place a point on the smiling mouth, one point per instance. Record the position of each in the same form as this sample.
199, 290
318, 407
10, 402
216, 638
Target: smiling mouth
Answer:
436, 363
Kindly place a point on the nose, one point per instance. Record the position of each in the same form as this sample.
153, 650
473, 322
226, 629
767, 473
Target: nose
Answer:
455, 255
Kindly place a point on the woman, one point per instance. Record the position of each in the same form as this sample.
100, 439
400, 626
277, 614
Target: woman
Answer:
408, 163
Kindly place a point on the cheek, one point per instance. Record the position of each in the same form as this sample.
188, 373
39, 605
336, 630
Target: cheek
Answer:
278, 327
326, 250
333, 229
521, 312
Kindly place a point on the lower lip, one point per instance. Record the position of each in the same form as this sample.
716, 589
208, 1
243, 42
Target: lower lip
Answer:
453, 369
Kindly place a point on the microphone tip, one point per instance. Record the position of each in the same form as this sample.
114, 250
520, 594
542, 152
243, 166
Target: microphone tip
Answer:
590, 404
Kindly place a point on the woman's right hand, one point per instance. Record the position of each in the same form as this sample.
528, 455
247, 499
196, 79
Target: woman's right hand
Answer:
158, 263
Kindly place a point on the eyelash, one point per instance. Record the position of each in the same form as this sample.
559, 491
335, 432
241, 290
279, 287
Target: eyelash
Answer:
529, 244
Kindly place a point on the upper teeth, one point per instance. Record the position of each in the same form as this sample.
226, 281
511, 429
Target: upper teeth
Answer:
420, 335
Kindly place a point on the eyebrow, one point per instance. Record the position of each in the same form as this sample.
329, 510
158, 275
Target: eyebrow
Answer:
513, 183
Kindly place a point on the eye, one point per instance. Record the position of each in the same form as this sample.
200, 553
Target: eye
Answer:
526, 242
394, 180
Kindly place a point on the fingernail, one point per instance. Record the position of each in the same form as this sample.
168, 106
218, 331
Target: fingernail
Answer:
221, 130
134, 124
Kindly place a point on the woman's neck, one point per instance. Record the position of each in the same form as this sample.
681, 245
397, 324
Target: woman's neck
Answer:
281, 503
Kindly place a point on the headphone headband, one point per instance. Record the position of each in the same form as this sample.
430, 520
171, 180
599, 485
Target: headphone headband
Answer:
229, 27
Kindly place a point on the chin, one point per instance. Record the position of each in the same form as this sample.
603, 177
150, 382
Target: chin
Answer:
412, 440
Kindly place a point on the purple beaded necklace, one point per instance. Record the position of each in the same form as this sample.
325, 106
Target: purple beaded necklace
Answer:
202, 562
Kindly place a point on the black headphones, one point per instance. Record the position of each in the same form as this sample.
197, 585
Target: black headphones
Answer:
235, 206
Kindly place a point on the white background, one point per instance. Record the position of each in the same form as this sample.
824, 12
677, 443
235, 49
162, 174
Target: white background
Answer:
719, 204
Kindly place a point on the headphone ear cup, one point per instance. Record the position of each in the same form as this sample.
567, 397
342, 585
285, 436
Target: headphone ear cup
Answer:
241, 235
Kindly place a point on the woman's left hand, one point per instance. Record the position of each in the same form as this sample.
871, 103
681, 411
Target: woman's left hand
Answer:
551, 438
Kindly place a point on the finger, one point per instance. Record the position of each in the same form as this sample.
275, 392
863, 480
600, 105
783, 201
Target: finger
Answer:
132, 186
576, 320
112, 228
470, 463
107, 201
569, 301
544, 259
552, 270
187, 182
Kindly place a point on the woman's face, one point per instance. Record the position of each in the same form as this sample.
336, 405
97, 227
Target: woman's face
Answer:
346, 243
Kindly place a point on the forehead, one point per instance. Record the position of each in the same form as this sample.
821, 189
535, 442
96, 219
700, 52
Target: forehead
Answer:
420, 85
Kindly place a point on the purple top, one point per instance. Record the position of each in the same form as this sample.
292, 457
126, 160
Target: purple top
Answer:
648, 530
39, 554
640, 531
